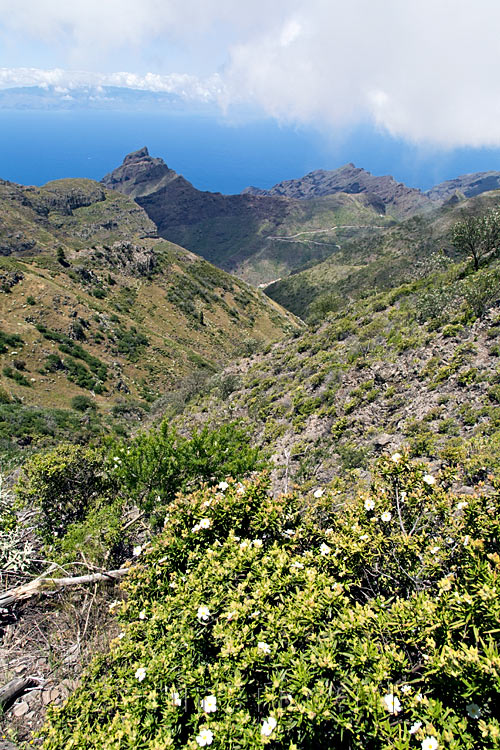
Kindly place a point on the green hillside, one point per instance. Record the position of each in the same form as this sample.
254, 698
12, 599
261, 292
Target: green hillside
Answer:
260, 244
257, 238
377, 261
94, 306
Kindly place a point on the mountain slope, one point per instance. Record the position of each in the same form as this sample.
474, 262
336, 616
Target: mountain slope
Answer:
396, 198
250, 236
377, 261
94, 304
416, 366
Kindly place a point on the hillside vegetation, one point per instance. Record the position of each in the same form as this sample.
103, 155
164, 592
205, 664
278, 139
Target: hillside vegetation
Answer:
378, 261
101, 315
309, 544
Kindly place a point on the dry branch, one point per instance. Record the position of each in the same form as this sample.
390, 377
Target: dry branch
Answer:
44, 585
13, 689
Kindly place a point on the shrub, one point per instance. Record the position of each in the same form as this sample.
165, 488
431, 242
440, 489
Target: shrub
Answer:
356, 623
155, 465
9, 372
63, 483
82, 403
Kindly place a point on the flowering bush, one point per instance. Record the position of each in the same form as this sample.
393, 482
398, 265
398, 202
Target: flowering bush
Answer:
304, 623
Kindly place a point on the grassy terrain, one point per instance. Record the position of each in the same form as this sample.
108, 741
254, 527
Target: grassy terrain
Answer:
415, 366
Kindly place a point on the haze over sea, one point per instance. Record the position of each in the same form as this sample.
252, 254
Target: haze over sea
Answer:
214, 154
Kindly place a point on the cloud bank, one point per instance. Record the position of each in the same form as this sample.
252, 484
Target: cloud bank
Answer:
188, 87
426, 71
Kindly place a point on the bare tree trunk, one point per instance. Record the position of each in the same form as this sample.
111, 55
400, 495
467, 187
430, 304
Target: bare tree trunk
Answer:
45, 585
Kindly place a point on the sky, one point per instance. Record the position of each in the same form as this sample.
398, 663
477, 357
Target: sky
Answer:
422, 74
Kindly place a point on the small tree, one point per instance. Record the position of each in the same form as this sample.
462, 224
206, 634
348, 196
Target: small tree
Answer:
477, 236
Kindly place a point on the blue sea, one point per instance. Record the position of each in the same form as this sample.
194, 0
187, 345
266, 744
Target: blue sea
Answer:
213, 153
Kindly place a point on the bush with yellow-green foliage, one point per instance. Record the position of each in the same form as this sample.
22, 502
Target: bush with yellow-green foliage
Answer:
332, 621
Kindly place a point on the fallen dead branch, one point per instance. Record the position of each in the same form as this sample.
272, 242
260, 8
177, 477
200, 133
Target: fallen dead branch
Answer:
44, 585
13, 689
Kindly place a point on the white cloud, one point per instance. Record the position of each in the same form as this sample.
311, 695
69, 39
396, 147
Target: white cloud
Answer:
62, 81
423, 70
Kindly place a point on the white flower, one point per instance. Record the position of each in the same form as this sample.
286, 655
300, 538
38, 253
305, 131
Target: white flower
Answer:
205, 737
256, 613
230, 615
403, 495
140, 674
209, 704
142, 614
386, 516
364, 537
429, 743
325, 549
466, 540
473, 710
405, 689
428, 479
289, 532
203, 612
121, 635
419, 698
257, 542
195, 528
415, 727
268, 726
434, 550
369, 504
137, 551
396, 457
223, 486
319, 493
297, 565
265, 647
462, 504
205, 523
207, 503
240, 490
392, 703
114, 605
176, 699
245, 544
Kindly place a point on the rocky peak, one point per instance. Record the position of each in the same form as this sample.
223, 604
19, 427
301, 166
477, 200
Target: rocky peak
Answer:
467, 185
136, 155
140, 175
